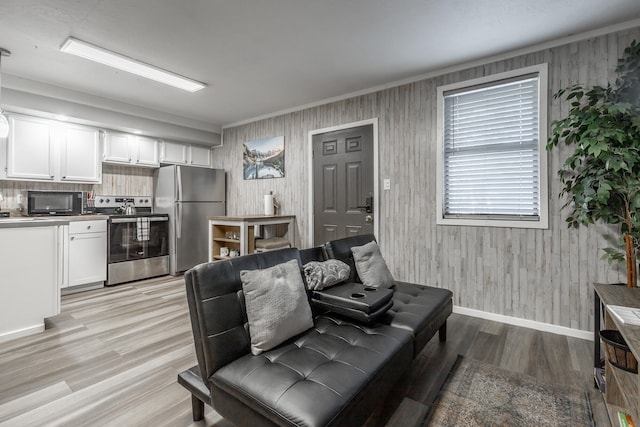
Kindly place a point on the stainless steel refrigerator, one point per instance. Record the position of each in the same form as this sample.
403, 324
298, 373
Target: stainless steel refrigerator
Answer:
189, 195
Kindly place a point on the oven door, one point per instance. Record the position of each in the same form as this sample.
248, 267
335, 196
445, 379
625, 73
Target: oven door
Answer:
134, 238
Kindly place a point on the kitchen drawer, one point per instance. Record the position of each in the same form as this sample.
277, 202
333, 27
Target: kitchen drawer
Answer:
96, 226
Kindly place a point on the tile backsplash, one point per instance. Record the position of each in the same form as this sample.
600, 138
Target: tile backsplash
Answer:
116, 180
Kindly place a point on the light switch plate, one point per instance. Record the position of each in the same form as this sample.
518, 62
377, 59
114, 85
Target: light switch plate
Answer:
387, 184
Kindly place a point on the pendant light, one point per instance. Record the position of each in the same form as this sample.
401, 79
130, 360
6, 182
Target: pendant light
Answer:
4, 123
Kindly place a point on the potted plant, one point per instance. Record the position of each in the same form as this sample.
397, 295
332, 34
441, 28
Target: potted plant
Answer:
601, 178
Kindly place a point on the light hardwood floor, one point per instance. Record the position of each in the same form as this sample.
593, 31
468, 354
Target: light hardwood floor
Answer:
111, 359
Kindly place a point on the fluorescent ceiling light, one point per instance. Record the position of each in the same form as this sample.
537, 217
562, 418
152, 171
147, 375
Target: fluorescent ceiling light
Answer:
112, 59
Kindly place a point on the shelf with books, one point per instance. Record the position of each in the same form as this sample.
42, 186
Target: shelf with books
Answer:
625, 419
622, 387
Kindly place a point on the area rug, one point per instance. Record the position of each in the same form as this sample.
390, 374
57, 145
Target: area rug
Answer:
478, 394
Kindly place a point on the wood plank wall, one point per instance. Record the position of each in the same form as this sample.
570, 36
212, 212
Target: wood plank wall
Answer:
540, 275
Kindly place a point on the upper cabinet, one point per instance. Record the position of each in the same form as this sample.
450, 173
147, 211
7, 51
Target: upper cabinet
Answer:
185, 154
147, 151
46, 150
122, 148
200, 156
80, 155
173, 152
117, 148
39, 149
30, 149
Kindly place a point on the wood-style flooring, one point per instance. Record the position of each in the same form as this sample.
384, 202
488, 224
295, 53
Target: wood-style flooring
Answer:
111, 359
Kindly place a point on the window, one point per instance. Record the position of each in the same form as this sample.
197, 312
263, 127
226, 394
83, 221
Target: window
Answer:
492, 167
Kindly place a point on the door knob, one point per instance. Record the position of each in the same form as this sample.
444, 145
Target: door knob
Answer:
368, 219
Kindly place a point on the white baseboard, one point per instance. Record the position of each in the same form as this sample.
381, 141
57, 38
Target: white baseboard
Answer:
30, 330
531, 324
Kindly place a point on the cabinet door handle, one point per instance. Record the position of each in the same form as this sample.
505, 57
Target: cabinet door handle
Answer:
72, 238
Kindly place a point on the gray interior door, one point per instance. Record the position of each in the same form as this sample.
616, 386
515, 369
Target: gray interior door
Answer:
342, 183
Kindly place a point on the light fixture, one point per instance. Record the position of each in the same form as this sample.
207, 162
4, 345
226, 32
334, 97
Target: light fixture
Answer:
121, 62
4, 123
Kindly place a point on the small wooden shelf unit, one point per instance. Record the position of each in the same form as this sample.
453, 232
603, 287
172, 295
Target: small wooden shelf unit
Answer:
244, 228
622, 387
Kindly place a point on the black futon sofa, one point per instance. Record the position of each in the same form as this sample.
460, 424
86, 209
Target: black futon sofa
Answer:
335, 373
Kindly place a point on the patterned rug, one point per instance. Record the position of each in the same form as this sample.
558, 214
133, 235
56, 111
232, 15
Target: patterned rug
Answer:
478, 394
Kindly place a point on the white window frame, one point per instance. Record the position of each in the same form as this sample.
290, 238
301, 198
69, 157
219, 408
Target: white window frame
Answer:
484, 220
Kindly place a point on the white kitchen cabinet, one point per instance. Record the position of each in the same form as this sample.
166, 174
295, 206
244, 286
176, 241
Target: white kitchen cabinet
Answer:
185, 154
173, 152
200, 155
117, 148
147, 152
87, 253
29, 289
46, 150
80, 155
122, 148
30, 149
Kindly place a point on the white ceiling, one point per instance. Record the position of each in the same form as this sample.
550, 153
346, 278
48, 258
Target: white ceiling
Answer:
263, 56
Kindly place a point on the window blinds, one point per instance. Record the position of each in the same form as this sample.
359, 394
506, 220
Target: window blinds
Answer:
491, 150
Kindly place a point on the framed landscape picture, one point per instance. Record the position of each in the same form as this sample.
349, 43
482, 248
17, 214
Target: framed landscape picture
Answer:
263, 158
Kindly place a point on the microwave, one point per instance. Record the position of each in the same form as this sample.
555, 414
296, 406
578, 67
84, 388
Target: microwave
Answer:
47, 203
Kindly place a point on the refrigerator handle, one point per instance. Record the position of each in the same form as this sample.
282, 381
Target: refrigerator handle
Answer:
179, 182
178, 220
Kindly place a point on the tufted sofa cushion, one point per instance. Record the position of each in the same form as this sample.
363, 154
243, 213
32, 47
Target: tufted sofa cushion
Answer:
313, 380
423, 310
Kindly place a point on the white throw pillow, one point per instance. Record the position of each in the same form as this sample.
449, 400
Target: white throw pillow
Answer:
370, 265
277, 305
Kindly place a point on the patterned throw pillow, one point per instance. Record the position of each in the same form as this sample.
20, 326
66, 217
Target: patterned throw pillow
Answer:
277, 305
324, 274
370, 265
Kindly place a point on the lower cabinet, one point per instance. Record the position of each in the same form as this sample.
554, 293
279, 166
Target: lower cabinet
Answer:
87, 253
28, 289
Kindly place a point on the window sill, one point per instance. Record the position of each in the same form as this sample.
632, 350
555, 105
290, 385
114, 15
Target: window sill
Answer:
541, 224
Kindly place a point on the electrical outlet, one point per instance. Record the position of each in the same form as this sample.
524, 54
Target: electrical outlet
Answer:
387, 184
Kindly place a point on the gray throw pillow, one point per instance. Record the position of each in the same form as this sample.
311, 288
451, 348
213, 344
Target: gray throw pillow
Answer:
323, 274
370, 265
277, 305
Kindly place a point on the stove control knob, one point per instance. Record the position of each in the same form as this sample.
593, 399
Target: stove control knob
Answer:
101, 200
141, 201
108, 200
